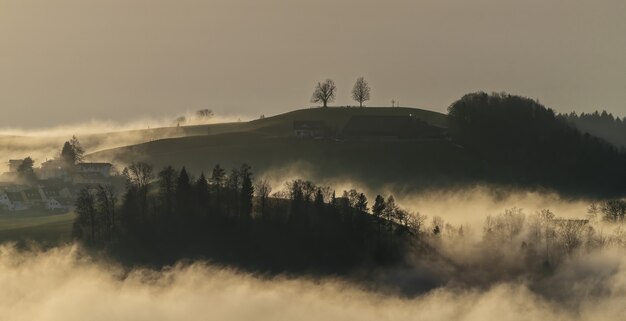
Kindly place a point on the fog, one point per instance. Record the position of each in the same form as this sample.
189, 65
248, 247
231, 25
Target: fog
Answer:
45, 143
459, 205
63, 284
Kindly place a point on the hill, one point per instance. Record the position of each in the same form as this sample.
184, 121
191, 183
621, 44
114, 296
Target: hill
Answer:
521, 144
603, 125
42, 146
269, 144
338, 118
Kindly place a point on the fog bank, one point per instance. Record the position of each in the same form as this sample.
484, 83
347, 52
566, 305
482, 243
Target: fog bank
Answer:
61, 284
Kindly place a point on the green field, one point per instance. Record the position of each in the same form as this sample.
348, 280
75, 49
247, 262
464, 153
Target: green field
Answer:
50, 229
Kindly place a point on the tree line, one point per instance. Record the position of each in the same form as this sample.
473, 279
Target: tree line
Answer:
229, 217
601, 124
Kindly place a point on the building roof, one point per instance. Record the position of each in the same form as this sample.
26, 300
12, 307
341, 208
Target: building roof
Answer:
15, 196
32, 194
50, 191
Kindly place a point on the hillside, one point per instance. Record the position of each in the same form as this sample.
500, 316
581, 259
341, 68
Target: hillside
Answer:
42, 146
499, 156
269, 144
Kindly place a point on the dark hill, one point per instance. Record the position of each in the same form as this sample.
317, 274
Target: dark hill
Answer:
507, 141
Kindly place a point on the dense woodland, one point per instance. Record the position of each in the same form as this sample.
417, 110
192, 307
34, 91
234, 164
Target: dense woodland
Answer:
226, 217
523, 142
603, 125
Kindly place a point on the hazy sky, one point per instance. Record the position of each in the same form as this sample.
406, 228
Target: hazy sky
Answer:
67, 61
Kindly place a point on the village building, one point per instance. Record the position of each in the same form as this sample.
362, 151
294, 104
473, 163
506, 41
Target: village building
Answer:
14, 165
52, 169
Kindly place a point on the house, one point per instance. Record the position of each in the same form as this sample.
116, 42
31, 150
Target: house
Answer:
4, 201
309, 128
11, 175
52, 169
17, 202
33, 197
14, 165
59, 205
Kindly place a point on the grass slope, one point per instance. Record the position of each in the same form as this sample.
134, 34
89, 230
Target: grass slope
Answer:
268, 144
51, 229
337, 117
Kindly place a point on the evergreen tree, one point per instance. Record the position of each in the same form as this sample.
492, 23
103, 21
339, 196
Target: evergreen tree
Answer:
378, 210
183, 194
201, 188
361, 203
72, 153
247, 190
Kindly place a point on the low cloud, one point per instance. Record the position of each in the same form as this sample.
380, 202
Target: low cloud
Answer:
62, 284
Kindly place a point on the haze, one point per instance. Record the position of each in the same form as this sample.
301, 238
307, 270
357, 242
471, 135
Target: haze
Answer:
73, 61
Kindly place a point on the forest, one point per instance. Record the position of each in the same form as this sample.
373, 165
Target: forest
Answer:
229, 218
600, 124
522, 142
164, 217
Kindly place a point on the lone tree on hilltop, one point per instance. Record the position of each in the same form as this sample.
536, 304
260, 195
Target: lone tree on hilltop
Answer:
361, 91
324, 92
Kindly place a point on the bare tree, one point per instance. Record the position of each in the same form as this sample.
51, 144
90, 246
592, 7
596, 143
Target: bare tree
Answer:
614, 210
139, 175
570, 233
263, 190
361, 91
324, 92
105, 200
204, 114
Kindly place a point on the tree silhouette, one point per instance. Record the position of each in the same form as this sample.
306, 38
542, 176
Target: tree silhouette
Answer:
263, 190
201, 188
297, 229
138, 176
25, 171
247, 190
167, 187
72, 152
183, 194
324, 92
85, 215
361, 91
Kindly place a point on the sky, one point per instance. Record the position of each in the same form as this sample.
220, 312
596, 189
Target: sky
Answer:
72, 61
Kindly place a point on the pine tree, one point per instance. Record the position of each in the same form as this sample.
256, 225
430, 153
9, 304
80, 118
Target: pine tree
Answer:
201, 188
247, 190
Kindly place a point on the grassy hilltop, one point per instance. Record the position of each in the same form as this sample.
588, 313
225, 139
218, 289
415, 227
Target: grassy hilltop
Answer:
269, 143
